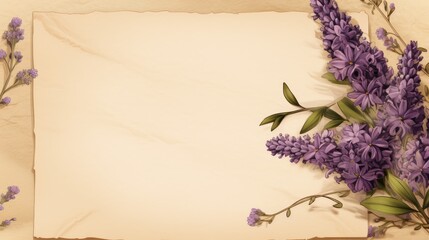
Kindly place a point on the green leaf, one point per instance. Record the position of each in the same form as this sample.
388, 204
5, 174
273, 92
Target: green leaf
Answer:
422, 49
313, 120
401, 188
427, 67
288, 212
272, 118
330, 77
418, 227
338, 205
426, 200
385, 6
350, 110
333, 124
345, 194
387, 205
426, 89
289, 95
277, 122
331, 114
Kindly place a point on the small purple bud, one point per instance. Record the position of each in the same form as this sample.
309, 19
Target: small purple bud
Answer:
33, 72
3, 54
18, 56
15, 22
1, 207
5, 101
381, 33
392, 7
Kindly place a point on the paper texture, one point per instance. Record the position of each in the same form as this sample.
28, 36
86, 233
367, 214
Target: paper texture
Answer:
146, 126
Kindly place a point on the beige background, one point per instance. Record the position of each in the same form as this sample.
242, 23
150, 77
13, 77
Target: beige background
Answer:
16, 136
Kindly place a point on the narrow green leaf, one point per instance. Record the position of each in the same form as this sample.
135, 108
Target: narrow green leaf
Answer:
387, 205
312, 199
401, 188
345, 194
333, 124
422, 49
426, 226
418, 227
427, 67
289, 95
288, 212
272, 118
313, 120
277, 122
426, 89
331, 114
330, 77
338, 205
350, 110
385, 6
426, 200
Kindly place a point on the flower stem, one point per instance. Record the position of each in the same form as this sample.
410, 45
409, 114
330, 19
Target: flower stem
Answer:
312, 198
395, 32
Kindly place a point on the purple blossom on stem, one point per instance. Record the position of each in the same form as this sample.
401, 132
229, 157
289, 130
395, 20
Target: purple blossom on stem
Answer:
10, 195
381, 33
26, 76
254, 218
366, 94
14, 34
5, 101
7, 222
18, 56
3, 54
345, 62
359, 178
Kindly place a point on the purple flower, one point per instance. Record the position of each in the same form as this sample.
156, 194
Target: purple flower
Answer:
366, 94
14, 34
371, 144
359, 178
26, 76
344, 63
392, 7
390, 43
5, 101
18, 56
381, 33
374, 231
254, 218
287, 146
352, 133
400, 118
3, 54
7, 222
11, 192
15, 22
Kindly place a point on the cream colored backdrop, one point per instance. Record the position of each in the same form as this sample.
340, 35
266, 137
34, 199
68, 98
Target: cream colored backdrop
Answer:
16, 136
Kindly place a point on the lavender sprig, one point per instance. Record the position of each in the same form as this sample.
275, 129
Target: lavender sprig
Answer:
12, 36
257, 217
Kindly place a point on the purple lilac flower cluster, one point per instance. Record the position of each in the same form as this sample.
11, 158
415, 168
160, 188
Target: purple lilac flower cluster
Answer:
14, 34
359, 159
353, 58
254, 218
358, 154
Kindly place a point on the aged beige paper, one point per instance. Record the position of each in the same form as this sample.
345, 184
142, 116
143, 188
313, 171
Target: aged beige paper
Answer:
146, 126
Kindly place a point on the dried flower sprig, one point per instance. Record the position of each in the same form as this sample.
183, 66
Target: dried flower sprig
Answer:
391, 42
11, 58
257, 216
